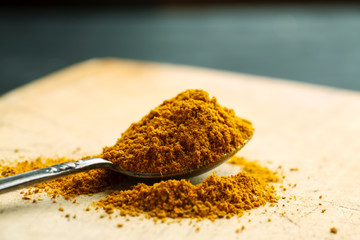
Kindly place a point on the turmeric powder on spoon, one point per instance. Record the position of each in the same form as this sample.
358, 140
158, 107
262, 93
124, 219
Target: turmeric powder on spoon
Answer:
185, 132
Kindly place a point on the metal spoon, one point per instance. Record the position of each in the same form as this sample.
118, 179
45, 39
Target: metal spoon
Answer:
60, 170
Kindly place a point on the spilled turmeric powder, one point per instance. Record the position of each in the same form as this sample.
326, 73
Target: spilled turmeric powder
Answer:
255, 169
215, 197
186, 132
84, 183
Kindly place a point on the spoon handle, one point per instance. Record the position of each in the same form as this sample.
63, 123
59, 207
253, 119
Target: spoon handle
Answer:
49, 173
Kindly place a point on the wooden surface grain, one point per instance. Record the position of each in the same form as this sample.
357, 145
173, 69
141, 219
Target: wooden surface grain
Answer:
79, 110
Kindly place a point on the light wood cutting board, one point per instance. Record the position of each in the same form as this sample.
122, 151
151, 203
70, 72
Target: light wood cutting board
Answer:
79, 110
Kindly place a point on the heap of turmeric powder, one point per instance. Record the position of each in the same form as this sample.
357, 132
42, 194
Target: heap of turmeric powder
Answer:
186, 132
215, 197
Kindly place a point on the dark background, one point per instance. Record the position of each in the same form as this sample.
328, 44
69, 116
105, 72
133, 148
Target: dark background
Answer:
317, 43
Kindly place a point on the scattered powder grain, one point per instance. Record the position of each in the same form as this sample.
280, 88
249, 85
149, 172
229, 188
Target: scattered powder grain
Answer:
186, 132
255, 169
333, 230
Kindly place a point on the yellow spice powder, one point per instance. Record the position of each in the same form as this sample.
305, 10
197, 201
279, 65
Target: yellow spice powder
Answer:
185, 132
215, 197
255, 169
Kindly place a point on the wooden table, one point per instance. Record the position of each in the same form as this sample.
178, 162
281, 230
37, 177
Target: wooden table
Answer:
79, 110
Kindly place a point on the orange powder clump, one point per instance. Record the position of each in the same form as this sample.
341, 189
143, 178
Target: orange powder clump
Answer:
86, 183
215, 197
186, 132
